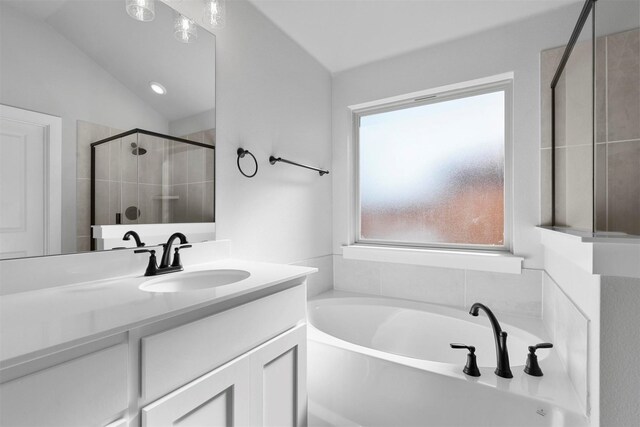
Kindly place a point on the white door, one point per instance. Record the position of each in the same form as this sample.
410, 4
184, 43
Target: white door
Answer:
29, 183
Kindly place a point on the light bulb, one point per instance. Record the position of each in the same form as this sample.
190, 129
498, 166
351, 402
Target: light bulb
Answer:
157, 88
141, 10
214, 13
185, 29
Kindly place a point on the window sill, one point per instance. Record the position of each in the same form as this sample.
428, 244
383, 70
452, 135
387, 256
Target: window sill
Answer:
498, 262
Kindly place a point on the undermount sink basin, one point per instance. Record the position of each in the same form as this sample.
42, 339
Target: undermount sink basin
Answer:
194, 281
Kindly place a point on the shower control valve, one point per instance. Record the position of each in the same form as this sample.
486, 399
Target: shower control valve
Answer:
471, 368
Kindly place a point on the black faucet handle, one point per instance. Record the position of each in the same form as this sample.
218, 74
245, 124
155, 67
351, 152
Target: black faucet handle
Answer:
152, 267
140, 251
533, 348
176, 255
471, 368
471, 348
532, 367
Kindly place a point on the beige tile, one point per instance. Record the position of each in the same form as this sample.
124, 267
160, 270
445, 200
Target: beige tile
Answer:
624, 186
601, 90
579, 194
150, 163
208, 202
601, 187
102, 161
150, 204
356, 276
561, 186
115, 202
545, 186
129, 203
195, 202
128, 162
87, 133
101, 202
196, 165
623, 85
549, 60
179, 163
418, 283
209, 164
83, 207
115, 154
519, 294
179, 206
579, 102
561, 111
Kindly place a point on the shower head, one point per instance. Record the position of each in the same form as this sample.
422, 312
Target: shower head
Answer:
137, 151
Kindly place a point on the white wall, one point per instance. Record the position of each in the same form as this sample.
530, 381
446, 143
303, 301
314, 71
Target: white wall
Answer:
272, 97
42, 71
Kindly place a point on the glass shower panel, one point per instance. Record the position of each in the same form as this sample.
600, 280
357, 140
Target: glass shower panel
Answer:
129, 204
617, 114
150, 154
574, 144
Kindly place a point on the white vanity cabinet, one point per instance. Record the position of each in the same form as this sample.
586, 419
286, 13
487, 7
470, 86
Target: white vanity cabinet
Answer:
264, 387
238, 361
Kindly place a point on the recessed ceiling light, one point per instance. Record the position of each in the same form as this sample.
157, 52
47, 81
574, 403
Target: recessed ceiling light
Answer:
157, 88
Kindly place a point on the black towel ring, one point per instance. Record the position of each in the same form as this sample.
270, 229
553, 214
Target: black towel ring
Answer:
241, 153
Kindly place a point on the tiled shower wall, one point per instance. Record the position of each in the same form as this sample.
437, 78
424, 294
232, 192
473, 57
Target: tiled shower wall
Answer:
617, 134
173, 182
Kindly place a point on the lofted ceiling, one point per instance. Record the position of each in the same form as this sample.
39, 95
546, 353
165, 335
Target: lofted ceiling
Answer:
135, 53
343, 34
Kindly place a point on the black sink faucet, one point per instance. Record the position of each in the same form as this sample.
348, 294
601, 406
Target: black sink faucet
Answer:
153, 269
135, 236
166, 254
502, 354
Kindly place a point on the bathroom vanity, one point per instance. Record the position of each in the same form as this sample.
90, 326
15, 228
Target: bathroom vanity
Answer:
110, 353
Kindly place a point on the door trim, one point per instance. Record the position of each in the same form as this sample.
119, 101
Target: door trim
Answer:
52, 125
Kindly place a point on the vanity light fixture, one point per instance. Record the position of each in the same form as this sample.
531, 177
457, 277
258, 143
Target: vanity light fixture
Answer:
141, 10
185, 30
157, 88
215, 13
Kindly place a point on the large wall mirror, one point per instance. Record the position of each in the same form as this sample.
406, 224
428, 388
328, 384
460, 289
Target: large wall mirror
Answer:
106, 120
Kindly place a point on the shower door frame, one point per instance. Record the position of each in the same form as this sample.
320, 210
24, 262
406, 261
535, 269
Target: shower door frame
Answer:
144, 132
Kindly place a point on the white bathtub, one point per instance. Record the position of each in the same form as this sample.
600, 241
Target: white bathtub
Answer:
385, 362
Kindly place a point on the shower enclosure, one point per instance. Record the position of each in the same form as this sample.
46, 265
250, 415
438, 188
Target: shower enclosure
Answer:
143, 177
595, 124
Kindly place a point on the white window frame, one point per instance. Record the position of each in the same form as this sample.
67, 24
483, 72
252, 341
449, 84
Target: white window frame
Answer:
503, 82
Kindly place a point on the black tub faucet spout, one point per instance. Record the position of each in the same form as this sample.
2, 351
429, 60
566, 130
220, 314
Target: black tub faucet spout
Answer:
502, 354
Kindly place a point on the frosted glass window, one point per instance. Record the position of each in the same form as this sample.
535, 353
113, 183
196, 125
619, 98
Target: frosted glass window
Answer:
433, 174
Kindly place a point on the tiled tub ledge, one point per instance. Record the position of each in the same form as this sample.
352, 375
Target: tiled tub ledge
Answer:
498, 262
603, 253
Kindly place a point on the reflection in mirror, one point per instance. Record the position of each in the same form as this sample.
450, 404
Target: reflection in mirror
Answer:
74, 73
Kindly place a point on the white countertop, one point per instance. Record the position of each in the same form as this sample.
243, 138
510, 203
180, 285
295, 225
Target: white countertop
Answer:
36, 322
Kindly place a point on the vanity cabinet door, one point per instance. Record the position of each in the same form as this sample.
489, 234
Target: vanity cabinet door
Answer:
219, 398
279, 381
